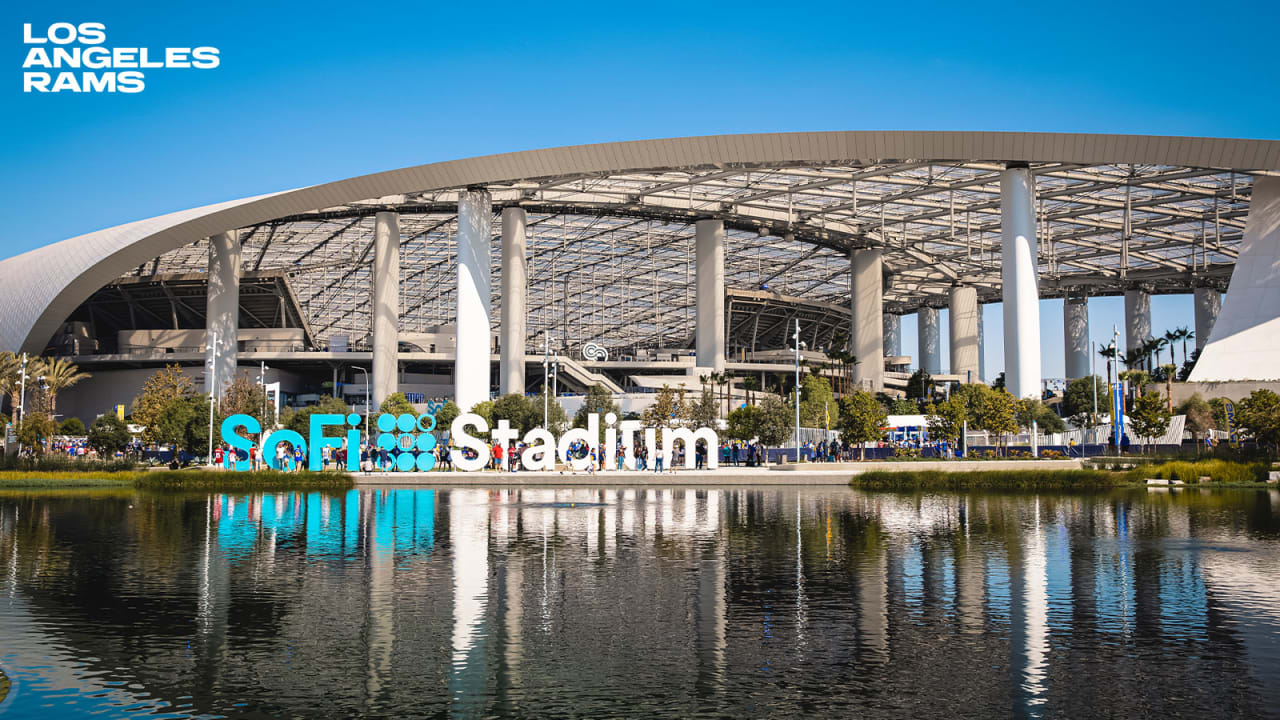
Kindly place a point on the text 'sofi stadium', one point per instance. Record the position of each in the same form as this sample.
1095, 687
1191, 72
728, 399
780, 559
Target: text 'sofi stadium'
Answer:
657, 262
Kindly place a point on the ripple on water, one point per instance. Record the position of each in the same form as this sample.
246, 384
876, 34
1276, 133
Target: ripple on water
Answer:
640, 602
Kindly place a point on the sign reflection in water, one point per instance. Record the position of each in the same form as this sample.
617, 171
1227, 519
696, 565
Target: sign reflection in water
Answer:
643, 602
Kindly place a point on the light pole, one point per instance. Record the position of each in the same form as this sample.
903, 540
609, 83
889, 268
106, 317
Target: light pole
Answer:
1093, 380
546, 388
796, 337
366, 398
22, 401
213, 390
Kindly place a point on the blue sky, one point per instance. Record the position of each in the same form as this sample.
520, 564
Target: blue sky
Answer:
322, 91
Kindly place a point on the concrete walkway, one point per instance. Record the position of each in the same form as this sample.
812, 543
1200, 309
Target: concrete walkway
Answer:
802, 474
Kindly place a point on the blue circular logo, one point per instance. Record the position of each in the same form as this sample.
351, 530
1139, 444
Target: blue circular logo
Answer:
410, 437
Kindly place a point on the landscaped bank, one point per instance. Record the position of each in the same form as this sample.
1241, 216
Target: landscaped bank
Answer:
195, 479
1220, 473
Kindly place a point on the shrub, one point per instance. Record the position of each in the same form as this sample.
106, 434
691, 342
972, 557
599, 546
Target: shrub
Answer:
1219, 471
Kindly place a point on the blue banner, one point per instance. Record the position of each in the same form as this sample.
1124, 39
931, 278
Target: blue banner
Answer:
1117, 412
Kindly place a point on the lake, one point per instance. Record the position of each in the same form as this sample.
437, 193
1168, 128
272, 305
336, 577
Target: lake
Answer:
614, 602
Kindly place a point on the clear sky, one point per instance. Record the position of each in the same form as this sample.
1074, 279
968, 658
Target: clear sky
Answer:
321, 91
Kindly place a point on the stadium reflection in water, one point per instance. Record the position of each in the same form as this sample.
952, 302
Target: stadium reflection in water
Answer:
657, 602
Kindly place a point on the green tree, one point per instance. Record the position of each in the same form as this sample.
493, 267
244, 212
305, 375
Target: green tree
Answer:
946, 420
1077, 400
245, 397
919, 385
1259, 415
1028, 410
37, 428
72, 426
816, 402
665, 411
1199, 417
108, 435
1219, 407
184, 424
516, 409
705, 411
558, 420
597, 400
776, 422
484, 409
397, 404
1150, 416
992, 410
743, 422
861, 420
160, 390
299, 419
447, 412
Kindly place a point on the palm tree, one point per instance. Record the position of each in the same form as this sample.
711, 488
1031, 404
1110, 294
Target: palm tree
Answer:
1110, 354
59, 374
1169, 370
1171, 337
751, 384
11, 378
1185, 334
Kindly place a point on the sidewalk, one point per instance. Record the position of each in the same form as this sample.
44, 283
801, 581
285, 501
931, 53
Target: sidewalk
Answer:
803, 474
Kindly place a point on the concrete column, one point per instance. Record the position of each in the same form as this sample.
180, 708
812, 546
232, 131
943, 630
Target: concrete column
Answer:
982, 344
1208, 302
709, 249
929, 340
472, 357
866, 298
1245, 340
222, 312
1137, 318
515, 274
386, 306
1020, 282
963, 320
892, 335
1075, 341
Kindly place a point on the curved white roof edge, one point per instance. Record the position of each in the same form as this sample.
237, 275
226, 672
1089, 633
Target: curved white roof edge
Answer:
40, 288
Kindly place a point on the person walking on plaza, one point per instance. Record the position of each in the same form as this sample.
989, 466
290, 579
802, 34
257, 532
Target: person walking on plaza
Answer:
657, 460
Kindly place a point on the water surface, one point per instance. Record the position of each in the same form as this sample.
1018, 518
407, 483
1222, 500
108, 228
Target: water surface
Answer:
732, 602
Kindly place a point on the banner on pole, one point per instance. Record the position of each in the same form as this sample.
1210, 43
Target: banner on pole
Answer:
1117, 411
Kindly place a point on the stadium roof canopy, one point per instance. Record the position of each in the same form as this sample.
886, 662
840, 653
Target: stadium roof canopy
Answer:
610, 227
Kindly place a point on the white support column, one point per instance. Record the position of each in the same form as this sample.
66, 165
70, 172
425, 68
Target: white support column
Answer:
709, 251
929, 340
892, 335
1208, 301
386, 307
222, 312
866, 299
515, 274
963, 321
473, 354
1244, 343
982, 344
1020, 282
1137, 318
1075, 341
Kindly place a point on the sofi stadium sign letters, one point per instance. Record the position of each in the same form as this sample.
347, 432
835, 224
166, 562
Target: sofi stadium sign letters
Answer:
412, 441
